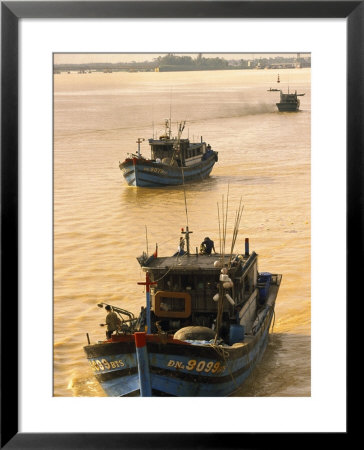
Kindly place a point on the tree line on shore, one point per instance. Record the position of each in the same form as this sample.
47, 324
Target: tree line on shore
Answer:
171, 62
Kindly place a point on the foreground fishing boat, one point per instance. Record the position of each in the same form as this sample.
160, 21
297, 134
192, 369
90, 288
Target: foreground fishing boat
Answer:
173, 161
204, 328
288, 102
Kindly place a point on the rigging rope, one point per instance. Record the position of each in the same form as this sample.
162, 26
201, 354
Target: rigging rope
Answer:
184, 192
238, 215
178, 259
146, 237
218, 216
223, 354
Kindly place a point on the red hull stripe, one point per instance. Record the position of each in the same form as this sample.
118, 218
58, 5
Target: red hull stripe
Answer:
140, 340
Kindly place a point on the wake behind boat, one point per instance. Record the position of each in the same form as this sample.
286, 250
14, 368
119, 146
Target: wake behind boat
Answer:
203, 329
173, 161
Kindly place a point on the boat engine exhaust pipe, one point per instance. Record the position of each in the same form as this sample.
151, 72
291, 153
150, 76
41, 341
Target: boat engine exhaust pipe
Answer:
143, 364
246, 246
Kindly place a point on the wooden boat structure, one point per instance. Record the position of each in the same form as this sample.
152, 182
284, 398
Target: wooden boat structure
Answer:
173, 161
288, 102
203, 329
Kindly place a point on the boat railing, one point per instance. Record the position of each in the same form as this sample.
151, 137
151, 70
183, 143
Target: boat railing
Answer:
276, 279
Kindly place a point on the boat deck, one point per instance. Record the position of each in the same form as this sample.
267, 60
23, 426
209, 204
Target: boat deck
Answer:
188, 262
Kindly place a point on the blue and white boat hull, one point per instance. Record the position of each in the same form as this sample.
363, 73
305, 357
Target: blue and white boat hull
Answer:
148, 173
178, 368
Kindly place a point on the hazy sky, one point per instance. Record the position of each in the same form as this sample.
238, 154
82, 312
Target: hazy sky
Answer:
79, 58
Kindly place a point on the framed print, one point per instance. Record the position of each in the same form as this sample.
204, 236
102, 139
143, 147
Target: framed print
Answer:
89, 90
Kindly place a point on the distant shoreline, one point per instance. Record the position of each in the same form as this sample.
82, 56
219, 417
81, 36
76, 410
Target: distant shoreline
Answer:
173, 63
59, 68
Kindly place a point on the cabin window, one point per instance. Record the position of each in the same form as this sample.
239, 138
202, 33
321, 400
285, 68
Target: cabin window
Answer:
172, 284
200, 286
172, 304
187, 282
211, 284
161, 151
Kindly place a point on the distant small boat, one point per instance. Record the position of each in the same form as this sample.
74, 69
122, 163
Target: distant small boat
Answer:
288, 102
174, 161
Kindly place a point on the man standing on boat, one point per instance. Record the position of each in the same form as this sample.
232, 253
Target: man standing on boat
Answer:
181, 247
207, 246
112, 321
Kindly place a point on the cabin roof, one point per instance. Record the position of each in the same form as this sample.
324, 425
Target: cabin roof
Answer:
192, 262
165, 141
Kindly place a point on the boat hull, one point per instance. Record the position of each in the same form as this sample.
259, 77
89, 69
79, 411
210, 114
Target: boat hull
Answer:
288, 106
147, 173
178, 368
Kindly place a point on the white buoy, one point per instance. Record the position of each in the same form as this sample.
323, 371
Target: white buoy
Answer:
230, 299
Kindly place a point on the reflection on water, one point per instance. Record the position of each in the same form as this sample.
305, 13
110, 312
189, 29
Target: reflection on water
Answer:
283, 370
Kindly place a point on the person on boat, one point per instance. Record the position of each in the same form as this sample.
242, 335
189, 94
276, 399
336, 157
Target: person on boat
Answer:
112, 321
206, 247
181, 247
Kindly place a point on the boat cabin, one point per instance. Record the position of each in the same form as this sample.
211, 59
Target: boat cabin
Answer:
187, 291
164, 150
289, 98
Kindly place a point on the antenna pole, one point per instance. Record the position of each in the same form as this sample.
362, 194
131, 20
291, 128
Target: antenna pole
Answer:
188, 240
170, 115
187, 233
147, 285
139, 141
146, 237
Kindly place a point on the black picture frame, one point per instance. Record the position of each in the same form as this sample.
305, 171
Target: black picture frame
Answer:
11, 13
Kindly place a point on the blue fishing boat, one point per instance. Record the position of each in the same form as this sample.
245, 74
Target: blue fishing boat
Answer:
203, 329
173, 161
288, 102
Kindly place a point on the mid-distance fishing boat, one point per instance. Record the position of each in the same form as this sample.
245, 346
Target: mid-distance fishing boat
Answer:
204, 328
288, 102
173, 161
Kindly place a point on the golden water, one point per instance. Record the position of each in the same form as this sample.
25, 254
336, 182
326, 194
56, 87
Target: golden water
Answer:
100, 223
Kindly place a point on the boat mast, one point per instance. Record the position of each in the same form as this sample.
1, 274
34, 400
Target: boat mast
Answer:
167, 125
170, 117
187, 238
139, 141
147, 283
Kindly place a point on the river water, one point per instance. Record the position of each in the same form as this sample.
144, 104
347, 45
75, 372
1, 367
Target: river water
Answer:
101, 224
